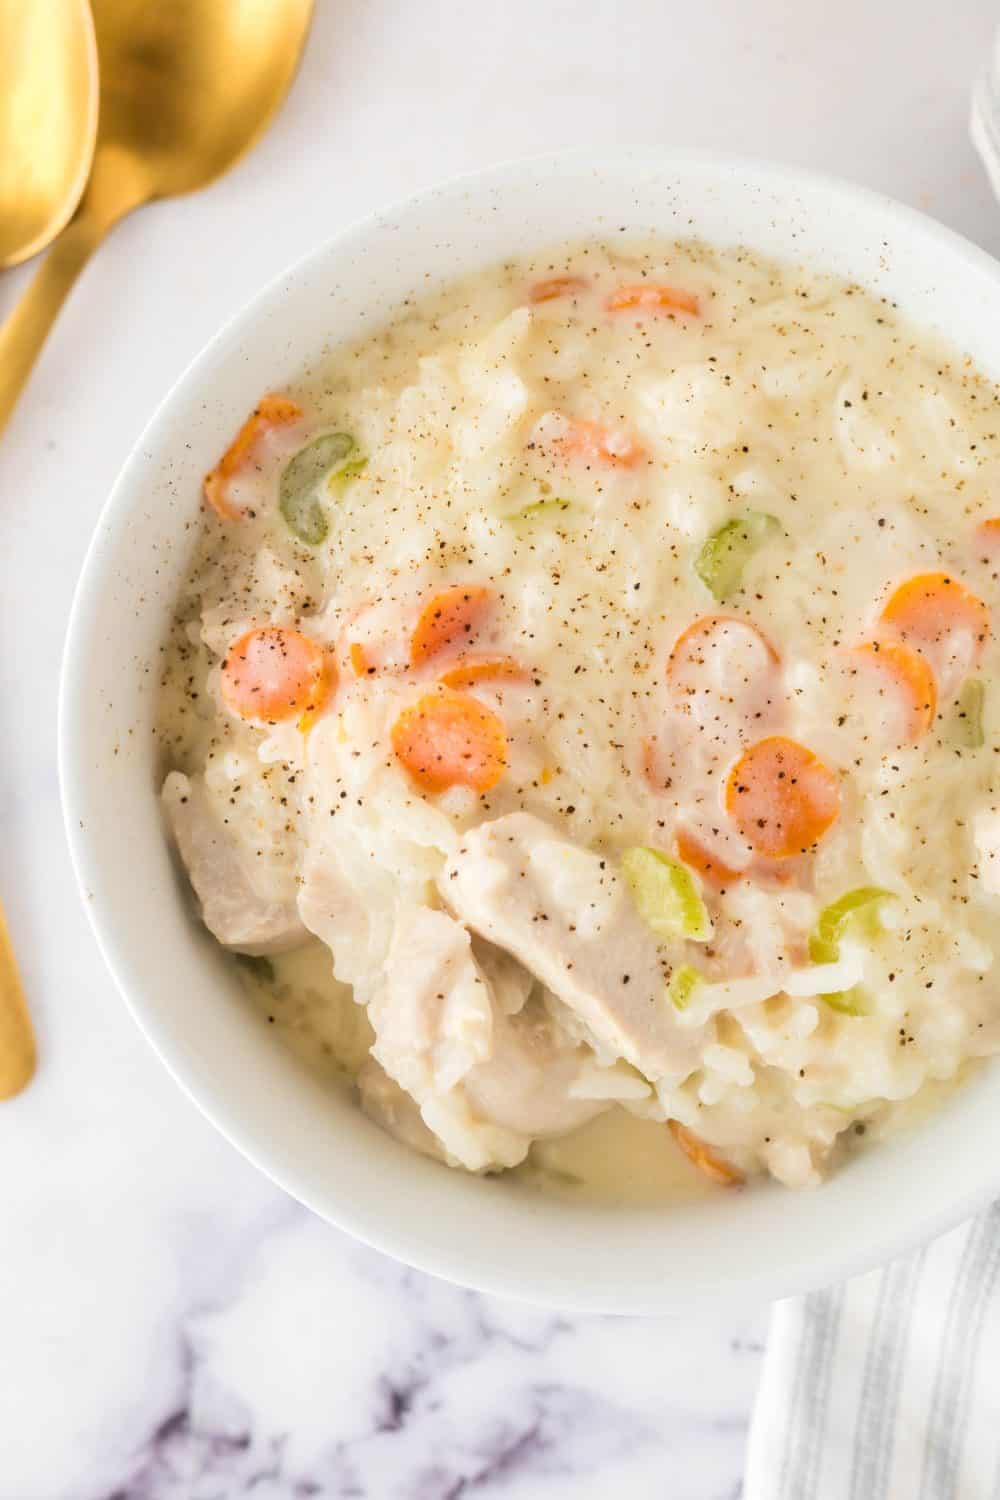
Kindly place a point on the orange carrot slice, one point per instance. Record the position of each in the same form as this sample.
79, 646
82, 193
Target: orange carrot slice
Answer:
469, 670
275, 673
944, 620
449, 616
557, 286
725, 674
694, 647
907, 674
450, 739
711, 869
593, 443
782, 797
271, 411
649, 296
704, 1157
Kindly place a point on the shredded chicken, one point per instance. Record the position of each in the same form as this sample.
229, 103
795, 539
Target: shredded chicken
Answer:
566, 915
487, 1080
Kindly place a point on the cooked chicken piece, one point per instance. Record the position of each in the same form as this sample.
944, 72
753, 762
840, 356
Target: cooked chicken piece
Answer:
487, 1082
433, 1016
567, 916
433, 1020
536, 1079
332, 904
232, 909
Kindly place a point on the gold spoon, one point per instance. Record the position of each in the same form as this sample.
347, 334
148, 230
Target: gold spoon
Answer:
48, 119
17, 1040
48, 126
187, 86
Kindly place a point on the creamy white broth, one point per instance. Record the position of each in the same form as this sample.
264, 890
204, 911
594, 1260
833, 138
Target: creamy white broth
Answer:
637, 434
616, 1159
314, 1015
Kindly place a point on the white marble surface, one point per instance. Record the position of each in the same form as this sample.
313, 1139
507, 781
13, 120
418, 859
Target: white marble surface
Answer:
172, 1327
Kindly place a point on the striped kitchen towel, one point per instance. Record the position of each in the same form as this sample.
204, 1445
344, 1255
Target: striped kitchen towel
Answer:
887, 1388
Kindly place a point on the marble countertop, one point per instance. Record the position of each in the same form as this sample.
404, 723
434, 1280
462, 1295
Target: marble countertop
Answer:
172, 1327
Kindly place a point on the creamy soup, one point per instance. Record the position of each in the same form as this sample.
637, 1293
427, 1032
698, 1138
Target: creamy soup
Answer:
583, 695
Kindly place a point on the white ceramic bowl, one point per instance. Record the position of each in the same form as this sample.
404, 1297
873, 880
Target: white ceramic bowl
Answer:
489, 1234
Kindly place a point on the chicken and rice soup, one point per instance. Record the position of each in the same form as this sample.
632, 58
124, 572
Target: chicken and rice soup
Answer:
581, 716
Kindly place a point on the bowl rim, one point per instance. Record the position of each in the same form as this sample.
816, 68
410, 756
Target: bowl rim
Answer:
391, 1235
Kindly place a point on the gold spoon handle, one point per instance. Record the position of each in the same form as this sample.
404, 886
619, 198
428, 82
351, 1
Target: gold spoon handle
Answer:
25, 331
17, 1040
117, 184
21, 339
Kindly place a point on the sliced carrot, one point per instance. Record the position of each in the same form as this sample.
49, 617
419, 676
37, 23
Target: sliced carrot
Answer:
782, 797
557, 286
649, 296
594, 443
271, 411
468, 670
909, 676
359, 659
933, 611
726, 675
694, 646
711, 869
449, 616
705, 1158
275, 673
450, 739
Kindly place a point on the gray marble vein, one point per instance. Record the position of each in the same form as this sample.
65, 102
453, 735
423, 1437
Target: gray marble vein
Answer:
330, 1371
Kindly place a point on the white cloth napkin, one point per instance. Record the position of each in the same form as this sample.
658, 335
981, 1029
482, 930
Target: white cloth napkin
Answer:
887, 1388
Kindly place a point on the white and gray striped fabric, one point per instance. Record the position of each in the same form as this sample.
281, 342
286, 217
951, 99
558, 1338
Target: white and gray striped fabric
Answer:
887, 1388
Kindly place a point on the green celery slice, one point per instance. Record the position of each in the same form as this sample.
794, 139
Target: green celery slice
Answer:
727, 551
970, 714
666, 895
298, 499
683, 982
342, 477
852, 1002
858, 909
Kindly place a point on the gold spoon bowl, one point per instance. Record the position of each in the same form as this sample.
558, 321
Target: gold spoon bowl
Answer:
48, 119
186, 89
